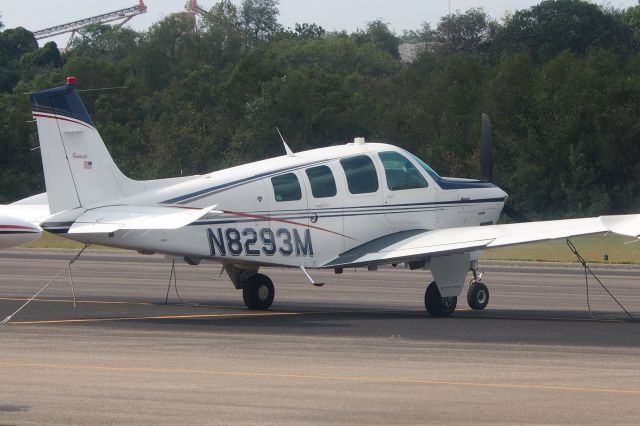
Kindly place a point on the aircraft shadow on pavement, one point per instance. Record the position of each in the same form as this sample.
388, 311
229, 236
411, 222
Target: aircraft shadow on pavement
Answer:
14, 408
544, 327
530, 326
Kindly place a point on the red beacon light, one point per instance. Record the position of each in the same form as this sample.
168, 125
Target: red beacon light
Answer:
71, 81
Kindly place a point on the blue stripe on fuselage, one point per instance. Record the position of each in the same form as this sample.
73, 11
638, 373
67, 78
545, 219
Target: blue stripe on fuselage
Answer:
448, 183
194, 196
349, 211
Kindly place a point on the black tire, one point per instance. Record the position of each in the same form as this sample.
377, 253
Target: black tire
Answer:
258, 292
438, 306
478, 296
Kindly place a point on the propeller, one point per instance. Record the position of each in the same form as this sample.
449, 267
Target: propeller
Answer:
486, 166
486, 149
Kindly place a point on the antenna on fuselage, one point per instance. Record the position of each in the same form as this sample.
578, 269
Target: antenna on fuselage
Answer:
286, 147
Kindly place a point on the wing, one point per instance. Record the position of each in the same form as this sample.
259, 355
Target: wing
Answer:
421, 244
112, 218
628, 224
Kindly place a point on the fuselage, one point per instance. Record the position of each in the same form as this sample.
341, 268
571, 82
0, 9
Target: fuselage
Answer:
306, 208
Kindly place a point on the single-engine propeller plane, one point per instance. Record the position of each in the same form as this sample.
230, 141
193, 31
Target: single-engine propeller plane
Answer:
360, 204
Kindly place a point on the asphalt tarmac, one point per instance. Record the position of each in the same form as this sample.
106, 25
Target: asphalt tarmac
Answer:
360, 350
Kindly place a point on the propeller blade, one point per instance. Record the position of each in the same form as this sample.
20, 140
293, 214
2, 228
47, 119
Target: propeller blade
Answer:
486, 155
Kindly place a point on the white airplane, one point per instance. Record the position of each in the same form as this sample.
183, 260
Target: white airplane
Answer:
19, 221
356, 205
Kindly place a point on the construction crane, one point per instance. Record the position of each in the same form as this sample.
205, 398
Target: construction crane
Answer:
73, 27
192, 7
192, 11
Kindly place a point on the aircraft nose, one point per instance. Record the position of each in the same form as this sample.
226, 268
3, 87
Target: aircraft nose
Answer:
501, 193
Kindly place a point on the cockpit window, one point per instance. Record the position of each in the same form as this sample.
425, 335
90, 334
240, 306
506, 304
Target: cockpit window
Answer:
400, 172
323, 184
361, 174
426, 167
286, 187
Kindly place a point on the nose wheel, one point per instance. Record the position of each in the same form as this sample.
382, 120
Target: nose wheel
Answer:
478, 296
478, 293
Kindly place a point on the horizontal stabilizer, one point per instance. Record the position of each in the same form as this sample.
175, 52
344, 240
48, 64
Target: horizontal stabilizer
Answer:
126, 217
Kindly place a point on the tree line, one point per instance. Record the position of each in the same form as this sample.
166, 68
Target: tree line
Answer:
560, 81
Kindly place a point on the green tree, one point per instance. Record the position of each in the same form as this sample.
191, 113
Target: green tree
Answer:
223, 36
470, 31
379, 34
424, 34
630, 17
517, 150
48, 56
14, 43
170, 49
201, 98
307, 31
106, 41
551, 27
20, 166
259, 20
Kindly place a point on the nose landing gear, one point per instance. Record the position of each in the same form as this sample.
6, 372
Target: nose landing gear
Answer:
478, 293
478, 296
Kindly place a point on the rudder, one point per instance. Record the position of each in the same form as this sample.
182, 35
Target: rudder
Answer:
78, 169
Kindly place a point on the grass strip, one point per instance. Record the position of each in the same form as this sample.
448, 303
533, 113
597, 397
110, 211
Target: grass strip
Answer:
593, 248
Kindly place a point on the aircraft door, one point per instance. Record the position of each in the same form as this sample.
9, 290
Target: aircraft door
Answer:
408, 196
364, 218
288, 237
325, 201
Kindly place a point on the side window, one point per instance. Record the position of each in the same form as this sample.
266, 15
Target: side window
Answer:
323, 184
286, 187
361, 174
400, 172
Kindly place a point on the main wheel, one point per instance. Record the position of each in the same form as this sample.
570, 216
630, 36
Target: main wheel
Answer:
438, 306
478, 296
258, 292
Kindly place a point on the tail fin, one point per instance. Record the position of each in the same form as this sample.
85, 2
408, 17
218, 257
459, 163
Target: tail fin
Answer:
78, 170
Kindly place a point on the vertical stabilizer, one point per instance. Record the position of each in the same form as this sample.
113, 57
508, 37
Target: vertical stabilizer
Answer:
78, 169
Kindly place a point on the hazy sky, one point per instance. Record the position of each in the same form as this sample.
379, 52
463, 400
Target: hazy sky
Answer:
330, 14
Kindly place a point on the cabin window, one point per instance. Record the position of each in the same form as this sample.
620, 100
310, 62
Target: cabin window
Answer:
361, 174
286, 187
323, 184
400, 172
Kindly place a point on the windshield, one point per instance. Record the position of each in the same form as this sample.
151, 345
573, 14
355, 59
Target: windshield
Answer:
425, 166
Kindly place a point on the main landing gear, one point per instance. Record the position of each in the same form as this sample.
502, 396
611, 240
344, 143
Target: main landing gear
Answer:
438, 306
477, 296
257, 289
258, 292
